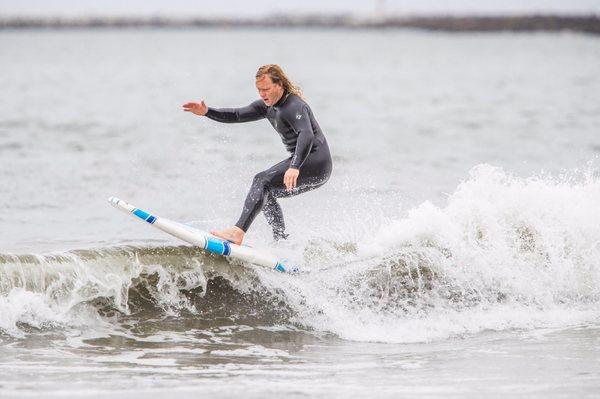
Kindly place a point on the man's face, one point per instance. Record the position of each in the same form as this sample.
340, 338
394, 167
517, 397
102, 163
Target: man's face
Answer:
268, 91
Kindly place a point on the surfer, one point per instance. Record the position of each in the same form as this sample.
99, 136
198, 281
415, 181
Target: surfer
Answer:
309, 165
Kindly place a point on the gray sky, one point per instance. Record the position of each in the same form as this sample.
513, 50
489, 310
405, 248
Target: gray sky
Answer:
261, 7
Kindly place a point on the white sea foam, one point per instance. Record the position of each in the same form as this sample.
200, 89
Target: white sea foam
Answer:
254, 351
60, 289
503, 253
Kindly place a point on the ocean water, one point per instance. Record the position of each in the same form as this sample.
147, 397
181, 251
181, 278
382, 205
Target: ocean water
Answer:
453, 253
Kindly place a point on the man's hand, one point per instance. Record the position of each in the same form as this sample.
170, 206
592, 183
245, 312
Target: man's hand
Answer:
290, 178
195, 108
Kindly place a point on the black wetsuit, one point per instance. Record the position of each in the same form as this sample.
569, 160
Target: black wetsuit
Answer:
293, 119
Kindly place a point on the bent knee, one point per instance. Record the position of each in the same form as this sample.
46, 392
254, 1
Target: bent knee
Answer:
261, 180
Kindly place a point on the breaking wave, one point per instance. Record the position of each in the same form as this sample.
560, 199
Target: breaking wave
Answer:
502, 253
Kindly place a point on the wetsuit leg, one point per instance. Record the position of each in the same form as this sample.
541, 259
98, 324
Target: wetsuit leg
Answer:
262, 184
274, 215
268, 185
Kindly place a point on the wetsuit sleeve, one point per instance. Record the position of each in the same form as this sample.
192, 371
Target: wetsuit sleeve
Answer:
300, 123
253, 112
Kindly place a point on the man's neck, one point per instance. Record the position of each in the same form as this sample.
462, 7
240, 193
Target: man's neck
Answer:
281, 99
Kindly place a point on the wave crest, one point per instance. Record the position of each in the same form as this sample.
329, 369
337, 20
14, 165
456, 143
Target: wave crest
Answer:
504, 252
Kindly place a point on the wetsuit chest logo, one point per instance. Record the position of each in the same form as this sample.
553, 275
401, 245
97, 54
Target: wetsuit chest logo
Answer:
298, 116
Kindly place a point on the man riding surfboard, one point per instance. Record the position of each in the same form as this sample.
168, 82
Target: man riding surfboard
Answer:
309, 165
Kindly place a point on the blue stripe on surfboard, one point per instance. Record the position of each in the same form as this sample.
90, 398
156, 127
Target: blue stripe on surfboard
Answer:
144, 215
217, 246
226, 248
280, 268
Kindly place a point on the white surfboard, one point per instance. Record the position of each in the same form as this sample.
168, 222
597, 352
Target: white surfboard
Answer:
205, 240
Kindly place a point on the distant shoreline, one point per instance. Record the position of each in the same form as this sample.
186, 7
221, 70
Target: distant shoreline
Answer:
513, 23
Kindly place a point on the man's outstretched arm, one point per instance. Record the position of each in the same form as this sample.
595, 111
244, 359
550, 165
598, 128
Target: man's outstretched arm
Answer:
255, 111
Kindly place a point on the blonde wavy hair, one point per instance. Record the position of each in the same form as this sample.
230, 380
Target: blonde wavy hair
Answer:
277, 76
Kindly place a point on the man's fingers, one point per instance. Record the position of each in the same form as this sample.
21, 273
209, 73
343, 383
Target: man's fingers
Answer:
286, 181
290, 180
192, 105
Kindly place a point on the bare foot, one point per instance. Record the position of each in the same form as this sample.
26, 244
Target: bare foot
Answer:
233, 234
